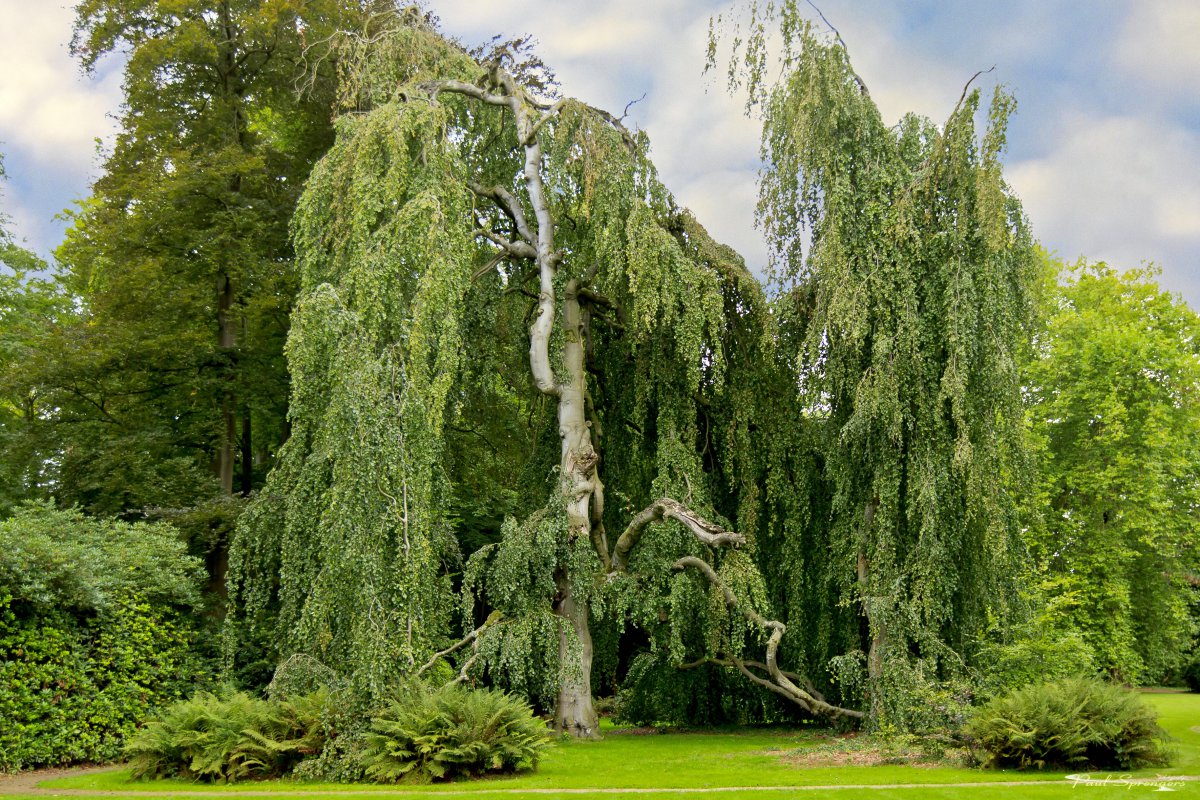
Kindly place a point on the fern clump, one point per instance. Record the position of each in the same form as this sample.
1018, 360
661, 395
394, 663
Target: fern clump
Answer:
452, 732
1077, 723
228, 737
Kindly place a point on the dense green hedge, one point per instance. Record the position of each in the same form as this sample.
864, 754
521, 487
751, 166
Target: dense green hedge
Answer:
96, 627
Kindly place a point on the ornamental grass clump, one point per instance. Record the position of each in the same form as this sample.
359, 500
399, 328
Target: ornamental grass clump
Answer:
440, 734
228, 737
1077, 723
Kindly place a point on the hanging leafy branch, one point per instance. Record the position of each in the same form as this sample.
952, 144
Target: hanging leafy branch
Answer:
906, 274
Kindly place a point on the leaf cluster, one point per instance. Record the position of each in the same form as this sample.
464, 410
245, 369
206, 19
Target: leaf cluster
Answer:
228, 737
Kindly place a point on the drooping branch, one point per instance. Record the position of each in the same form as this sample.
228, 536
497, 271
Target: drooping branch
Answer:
726, 660
710, 533
862, 86
471, 638
779, 682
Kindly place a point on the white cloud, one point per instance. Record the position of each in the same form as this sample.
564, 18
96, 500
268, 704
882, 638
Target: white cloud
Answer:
1122, 189
1158, 43
48, 111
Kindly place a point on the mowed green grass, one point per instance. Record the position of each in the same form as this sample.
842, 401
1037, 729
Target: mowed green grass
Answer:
737, 765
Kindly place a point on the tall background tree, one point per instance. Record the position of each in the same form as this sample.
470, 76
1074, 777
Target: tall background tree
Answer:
1115, 388
165, 390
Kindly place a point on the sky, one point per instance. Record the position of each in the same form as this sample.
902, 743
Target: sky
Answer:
1104, 151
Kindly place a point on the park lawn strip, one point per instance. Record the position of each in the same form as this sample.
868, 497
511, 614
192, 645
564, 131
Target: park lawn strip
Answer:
696, 761
1011, 791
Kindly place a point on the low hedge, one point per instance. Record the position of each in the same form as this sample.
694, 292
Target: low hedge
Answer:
95, 630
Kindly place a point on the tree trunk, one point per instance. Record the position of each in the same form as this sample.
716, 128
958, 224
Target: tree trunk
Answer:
876, 627
574, 715
247, 454
226, 340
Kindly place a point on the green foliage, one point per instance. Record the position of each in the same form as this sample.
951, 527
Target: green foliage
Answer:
180, 263
343, 554
452, 732
228, 737
906, 277
60, 560
95, 630
1045, 648
1116, 418
1075, 723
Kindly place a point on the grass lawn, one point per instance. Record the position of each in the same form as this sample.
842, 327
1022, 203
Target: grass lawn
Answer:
736, 765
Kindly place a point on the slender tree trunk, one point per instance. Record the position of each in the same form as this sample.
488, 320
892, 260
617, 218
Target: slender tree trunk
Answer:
226, 340
877, 627
247, 455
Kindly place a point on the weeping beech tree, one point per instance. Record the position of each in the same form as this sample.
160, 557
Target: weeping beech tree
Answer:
905, 272
466, 213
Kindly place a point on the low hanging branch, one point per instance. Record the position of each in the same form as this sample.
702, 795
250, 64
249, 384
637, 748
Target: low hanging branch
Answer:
780, 683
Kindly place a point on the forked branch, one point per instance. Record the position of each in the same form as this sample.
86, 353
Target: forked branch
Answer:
779, 682
472, 638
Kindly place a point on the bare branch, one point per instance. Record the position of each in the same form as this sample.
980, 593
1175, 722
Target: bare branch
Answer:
518, 249
489, 266
434, 88
780, 683
710, 533
966, 87
630, 105
547, 115
471, 638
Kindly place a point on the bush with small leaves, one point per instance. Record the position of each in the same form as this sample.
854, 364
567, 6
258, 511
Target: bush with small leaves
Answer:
1078, 723
439, 734
97, 626
228, 737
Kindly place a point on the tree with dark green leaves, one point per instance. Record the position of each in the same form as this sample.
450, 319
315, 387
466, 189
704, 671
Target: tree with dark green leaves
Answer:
467, 215
181, 258
31, 308
906, 275
1114, 391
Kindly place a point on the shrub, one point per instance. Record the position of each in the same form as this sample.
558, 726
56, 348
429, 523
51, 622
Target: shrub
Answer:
450, 732
95, 629
1079, 723
228, 737
1043, 649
